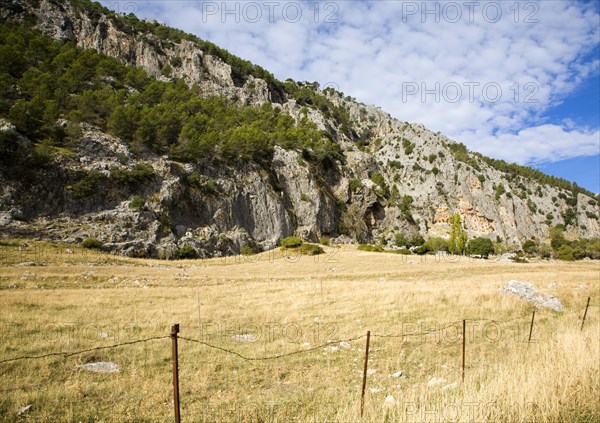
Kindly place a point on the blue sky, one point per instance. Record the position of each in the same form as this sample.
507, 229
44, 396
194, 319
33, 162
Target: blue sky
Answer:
517, 81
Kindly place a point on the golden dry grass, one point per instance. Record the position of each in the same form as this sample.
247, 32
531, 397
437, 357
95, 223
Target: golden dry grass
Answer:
89, 299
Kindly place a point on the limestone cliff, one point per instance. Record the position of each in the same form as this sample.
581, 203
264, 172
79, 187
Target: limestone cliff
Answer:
218, 210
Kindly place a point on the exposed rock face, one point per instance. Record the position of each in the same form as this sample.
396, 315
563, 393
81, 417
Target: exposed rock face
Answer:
529, 293
228, 208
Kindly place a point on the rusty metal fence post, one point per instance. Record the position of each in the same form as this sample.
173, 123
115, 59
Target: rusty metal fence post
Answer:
174, 332
464, 344
364, 383
531, 327
585, 312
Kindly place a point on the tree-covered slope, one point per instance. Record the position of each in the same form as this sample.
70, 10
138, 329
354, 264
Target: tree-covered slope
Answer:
151, 139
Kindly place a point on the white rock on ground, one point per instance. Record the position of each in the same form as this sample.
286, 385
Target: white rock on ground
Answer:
529, 293
345, 345
100, 367
389, 400
435, 381
24, 410
397, 374
450, 386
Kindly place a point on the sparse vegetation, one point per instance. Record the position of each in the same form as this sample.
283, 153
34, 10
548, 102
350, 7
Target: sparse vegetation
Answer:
354, 185
187, 252
91, 242
246, 250
371, 248
137, 202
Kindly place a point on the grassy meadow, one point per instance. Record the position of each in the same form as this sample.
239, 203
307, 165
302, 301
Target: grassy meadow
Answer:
272, 304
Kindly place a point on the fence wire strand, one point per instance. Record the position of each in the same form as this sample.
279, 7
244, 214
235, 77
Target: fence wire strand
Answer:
70, 354
272, 357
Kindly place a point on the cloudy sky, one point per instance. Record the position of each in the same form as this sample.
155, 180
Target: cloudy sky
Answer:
513, 80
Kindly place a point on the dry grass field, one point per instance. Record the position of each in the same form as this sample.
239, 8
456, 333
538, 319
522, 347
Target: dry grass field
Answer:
283, 304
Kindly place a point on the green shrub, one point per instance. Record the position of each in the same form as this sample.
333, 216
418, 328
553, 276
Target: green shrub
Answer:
408, 146
137, 202
520, 260
246, 250
91, 242
310, 249
325, 240
371, 248
378, 179
480, 247
432, 245
354, 184
530, 247
400, 240
135, 177
187, 252
416, 240
565, 252
592, 250
291, 242
499, 191
403, 251
87, 185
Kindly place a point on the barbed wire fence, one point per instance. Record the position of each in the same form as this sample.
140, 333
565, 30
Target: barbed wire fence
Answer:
175, 337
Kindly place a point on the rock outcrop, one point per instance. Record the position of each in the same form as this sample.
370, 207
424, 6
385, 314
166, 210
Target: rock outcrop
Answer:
218, 210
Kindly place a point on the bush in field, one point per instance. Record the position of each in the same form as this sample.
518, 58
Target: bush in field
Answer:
310, 249
371, 248
91, 242
291, 242
530, 247
480, 247
187, 252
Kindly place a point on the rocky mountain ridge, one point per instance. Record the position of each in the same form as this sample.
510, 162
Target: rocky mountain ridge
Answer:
393, 177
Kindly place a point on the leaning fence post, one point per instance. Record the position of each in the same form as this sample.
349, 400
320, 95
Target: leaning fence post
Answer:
531, 327
463, 349
585, 312
174, 332
364, 384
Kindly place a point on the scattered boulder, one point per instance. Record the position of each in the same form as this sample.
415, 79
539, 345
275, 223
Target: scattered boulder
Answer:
450, 386
101, 367
529, 293
398, 374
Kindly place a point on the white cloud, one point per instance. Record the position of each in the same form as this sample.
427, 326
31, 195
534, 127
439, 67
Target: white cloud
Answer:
377, 47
